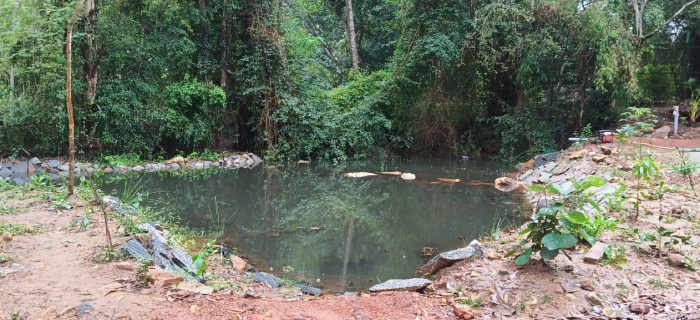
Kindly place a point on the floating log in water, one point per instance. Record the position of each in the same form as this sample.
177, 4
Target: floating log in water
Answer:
448, 180
479, 183
358, 174
408, 176
392, 173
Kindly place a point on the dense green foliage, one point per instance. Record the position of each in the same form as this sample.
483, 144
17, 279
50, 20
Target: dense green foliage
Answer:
509, 78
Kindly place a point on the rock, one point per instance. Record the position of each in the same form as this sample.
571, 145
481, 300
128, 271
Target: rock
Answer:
614, 313
675, 260
526, 175
169, 255
414, 284
570, 286
125, 265
528, 165
596, 253
266, 278
163, 279
463, 311
20, 181
308, 289
195, 288
542, 159
239, 263
679, 211
350, 294
35, 161
561, 169
578, 154
645, 248
506, 184
174, 166
138, 168
661, 132
587, 285
177, 160
594, 299
446, 259
198, 165
606, 150
117, 205
599, 158
53, 164
136, 250
84, 309
639, 308
63, 167
358, 174
108, 170
544, 177
408, 176
251, 294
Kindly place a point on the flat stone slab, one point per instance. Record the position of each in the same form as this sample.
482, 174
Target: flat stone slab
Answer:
413, 284
53, 163
136, 250
596, 253
446, 259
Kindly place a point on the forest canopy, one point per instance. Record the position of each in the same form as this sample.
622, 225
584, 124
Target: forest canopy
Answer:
336, 79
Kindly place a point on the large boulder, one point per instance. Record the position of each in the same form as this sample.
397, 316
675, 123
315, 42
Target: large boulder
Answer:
446, 259
413, 284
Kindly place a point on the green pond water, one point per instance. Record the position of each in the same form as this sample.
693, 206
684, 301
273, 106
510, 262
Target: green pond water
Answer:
337, 233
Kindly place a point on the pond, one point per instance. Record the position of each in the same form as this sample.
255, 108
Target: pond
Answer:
338, 233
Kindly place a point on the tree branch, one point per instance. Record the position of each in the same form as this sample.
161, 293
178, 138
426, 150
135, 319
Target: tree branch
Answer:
673, 17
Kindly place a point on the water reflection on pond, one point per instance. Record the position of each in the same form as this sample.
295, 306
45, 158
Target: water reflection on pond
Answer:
349, 233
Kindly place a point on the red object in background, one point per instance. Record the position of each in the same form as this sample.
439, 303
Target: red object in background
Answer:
605, 136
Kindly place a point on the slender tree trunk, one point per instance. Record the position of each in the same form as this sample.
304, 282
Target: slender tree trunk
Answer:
351, 35
638, 29
90, 51
15, 25
225, 45
69, 96
205, 13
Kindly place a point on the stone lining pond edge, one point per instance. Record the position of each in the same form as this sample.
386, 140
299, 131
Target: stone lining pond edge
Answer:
21, 171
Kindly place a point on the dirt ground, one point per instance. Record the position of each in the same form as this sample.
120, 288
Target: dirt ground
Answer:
646, 286
50, 274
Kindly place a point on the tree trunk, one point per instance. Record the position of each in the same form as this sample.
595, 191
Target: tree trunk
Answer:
15, 24
225, 45
90, 67
351, 35
69, 96
90, 52
638, 29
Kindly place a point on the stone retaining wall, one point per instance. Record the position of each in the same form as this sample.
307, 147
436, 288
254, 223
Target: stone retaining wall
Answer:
21, 171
